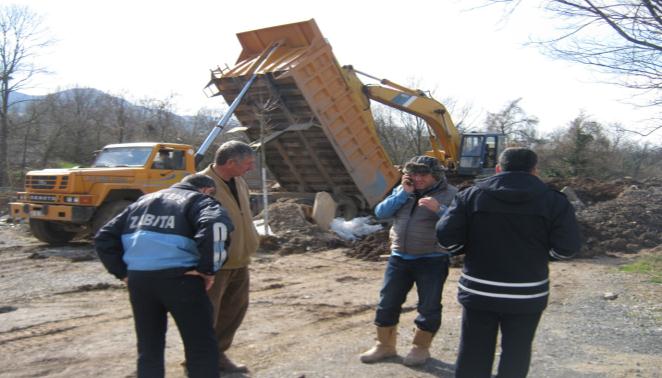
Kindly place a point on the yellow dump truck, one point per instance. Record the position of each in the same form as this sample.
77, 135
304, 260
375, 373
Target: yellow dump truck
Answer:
314, 117
61, 203
321, 134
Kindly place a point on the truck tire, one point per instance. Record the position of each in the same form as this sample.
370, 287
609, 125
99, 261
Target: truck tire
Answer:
347, 207
106, 212
50, 232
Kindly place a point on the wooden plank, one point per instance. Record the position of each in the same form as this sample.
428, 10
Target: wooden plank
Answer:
318, 164
283, 154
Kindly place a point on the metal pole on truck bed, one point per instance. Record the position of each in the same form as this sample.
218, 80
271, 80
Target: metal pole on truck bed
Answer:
226, 117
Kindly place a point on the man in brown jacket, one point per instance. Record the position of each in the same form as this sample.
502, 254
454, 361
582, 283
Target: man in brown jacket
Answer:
229, 294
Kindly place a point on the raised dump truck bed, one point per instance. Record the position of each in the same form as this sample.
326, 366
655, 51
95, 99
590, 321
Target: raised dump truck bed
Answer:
320, 130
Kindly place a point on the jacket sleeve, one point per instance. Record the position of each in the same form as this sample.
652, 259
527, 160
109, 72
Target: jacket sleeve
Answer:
452, 227
564, 237
108, 244
391, 204
212, 233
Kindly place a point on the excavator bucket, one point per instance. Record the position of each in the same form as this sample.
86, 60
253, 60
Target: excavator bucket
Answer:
320, 133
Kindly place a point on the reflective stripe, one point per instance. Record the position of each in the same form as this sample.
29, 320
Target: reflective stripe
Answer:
220, 232
505, 284
495, 295
555, 255
452, 248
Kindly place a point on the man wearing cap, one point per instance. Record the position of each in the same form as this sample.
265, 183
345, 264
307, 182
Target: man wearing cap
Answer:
415, 205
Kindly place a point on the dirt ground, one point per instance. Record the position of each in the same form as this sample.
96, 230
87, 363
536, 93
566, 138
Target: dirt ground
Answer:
310, 315
313, 297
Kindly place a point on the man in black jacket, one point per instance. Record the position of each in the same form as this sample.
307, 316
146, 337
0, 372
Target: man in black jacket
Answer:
509, 226
167, 246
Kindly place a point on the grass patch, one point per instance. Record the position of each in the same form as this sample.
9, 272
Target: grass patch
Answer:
68, 165
650, 266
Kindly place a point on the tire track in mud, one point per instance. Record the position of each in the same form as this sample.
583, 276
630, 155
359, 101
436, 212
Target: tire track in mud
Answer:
53, 333
308, 301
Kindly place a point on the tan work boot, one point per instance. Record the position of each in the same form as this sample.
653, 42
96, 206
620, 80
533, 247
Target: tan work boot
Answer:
385, 346
420, 350
226, 365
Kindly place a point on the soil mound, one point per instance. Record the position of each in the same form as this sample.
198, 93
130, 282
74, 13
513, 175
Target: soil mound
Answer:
591, 191
371, 247
628, 223
294, 232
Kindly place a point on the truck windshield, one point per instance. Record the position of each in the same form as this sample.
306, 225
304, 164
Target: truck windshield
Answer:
123, 157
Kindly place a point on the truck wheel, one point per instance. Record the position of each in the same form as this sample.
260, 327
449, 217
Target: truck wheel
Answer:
347, 207
50, 232
106, 212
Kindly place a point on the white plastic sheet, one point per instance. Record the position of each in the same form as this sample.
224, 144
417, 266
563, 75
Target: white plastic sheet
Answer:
259, 225
355, 228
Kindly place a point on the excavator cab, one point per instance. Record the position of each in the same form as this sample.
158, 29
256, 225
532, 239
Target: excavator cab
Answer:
479, 153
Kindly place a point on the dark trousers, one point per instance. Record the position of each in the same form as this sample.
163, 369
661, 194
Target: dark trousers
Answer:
429, 274
478, 343
184, 297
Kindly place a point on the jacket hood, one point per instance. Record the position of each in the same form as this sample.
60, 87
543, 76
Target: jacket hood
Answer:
513, 187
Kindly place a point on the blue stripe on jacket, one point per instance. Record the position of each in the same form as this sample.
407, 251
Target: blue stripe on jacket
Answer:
148, 250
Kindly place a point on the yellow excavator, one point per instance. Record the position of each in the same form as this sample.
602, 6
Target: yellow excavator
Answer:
311, 118
469, 154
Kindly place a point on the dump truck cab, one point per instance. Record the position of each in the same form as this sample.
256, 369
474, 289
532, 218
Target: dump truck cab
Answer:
61, 203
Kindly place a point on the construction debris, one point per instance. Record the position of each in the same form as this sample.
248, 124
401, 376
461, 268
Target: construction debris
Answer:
619, 216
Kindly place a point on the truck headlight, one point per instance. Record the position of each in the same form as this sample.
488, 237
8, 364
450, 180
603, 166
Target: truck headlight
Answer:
71, 199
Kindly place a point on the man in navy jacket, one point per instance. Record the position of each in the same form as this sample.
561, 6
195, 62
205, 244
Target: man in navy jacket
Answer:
167, 246
509, 226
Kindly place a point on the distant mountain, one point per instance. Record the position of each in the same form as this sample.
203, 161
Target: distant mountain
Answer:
18, 101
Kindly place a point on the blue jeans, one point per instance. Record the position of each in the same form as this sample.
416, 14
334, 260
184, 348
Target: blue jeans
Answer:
429, 274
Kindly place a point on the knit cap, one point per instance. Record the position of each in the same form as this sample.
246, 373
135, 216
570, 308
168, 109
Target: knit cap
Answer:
424, 164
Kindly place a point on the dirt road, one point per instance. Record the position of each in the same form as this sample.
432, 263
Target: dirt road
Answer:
310, 315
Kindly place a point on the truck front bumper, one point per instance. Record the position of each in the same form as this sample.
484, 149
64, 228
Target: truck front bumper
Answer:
64, 213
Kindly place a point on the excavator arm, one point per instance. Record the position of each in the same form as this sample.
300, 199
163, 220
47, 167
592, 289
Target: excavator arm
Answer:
444, 136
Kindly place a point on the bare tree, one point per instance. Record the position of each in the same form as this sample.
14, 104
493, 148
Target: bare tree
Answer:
404, 135
28, 123
120, 117
513, 121
622, 38
161, 124
465, 116
392, 135
262, 110
200, 123
54, 127
21, 37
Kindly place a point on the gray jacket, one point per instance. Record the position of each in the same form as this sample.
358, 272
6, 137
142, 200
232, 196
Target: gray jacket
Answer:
413, 230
